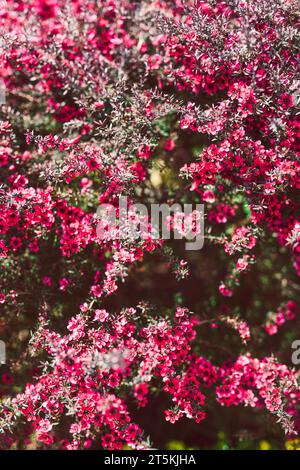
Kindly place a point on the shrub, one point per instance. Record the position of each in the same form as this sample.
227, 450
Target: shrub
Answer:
162, 102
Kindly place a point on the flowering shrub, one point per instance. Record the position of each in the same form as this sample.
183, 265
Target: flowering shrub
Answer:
159, 101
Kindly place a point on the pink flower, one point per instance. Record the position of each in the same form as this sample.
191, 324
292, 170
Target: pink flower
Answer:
63, 283
242, 263
208, 196
225, 291
271, 329
47, 281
